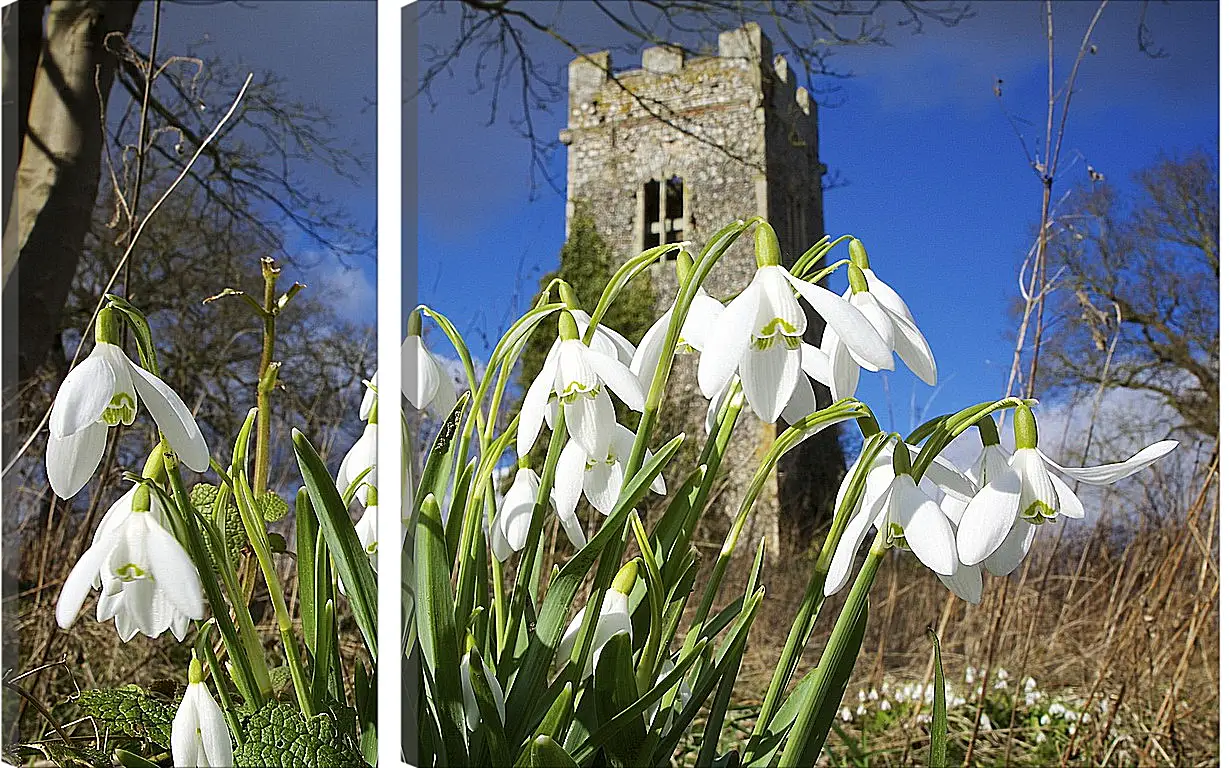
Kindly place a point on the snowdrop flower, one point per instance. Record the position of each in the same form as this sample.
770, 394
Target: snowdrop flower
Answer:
198, 732
579, 376
846, 715
369, 400
601, 479
361, 457
861, 711
887, 313
102, 392
701, 316
427, 384
680, 701
473, 716
607, 341
613, 618
885, 705
999, 525
891, 498
967, 582
367, 528
759, 334
515, 514
147, 580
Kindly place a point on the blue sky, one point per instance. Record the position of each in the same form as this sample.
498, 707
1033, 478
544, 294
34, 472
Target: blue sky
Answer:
324, 52
938, 185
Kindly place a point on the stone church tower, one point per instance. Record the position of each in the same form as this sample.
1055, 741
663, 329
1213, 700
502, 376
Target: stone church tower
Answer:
674, 151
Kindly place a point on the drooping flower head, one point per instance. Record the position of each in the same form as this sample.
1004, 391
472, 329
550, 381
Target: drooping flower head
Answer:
697, 325
424, 381
759, 334
199, 735
613, 618
147, 580
473, 715
1000, 522
103, 392
580, 377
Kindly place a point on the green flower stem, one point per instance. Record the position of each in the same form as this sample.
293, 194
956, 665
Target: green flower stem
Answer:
808, 732
524, 573
713, 251
813, 597
229, 711
816, 254
951, 428
267, 377
254, 526
253, 677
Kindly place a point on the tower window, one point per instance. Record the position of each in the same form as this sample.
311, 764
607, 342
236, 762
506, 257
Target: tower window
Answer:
663, 212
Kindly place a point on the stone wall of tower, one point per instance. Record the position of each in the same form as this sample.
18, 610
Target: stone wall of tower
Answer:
743, 137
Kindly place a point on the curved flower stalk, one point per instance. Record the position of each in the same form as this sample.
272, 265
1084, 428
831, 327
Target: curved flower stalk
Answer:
914, 521
148, 582
424, 381
199, 735
600, 479
701, 316
613, 618
102, 392
580, 377
759, 334
999, 525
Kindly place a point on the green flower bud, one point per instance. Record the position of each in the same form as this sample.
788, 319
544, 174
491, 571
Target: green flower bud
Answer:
767, 248
989, 432
625, 579
682, 265
857, 279
414, 326
900, 458
140, 499
195, 673
568, 296
1026, 428
567, 327
857, 254
107, 327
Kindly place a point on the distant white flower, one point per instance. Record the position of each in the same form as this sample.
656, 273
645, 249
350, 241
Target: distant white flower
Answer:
100, 393
426, 382
360, 458
885, 705
680, 701
600, 479
147, 580
613, 618
580, 377
516, 513
759, 336
473, 716
999, 524
199, 736
846, 715
701, 316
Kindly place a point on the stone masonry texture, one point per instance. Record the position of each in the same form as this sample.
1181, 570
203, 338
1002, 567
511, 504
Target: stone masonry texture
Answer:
744, 139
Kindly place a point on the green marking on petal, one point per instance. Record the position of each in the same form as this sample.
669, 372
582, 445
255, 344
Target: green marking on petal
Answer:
130, 572
1039, 512
122, 408
575, 390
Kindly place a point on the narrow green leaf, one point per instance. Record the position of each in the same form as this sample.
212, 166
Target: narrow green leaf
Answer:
323, 659
614, 683
560, 712
437, 635
938, 712
305, 529
349, 557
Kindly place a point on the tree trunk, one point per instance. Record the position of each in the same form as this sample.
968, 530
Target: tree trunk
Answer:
57, 177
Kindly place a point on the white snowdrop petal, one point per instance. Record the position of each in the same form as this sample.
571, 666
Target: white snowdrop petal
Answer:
850, 325
845, 373
779, 302
966, 584
988, 519
590, 421
173, 569
85, 393
801, 402
841, 566
533, 409
174, 419
1069, 505
602, 484
569, 479
927, 529
79, 582
1105, 474
731, 334
886, 296
644, 361
516, 509
768, 377
701, 318
618, 378
1013, 550
72, 460
1038, 497
419, 373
